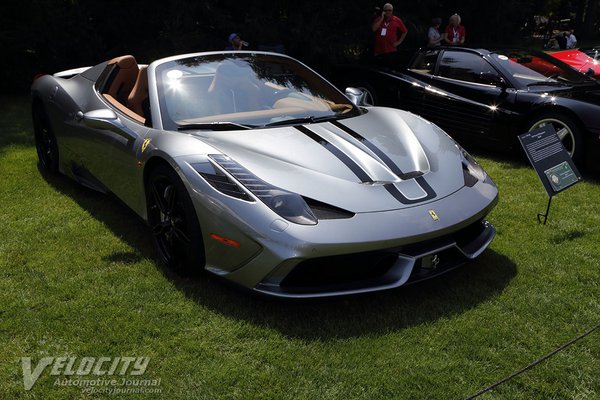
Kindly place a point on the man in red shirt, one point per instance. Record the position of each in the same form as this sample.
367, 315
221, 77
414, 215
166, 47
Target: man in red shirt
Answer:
389, 30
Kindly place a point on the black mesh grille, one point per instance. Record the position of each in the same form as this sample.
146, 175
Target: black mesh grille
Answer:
336, 270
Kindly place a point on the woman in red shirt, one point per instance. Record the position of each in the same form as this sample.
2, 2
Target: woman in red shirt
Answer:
455, 32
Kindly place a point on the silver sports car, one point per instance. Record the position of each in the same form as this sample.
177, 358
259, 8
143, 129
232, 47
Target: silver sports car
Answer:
253, 167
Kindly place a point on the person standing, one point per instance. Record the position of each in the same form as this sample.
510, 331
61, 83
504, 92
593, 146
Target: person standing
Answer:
571, 39
389, 31
455, 32
434, 37
561, 39
235, 42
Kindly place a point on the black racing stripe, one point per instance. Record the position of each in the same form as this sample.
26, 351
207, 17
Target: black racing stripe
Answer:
371, 146
428, 189
350, 163
393, 190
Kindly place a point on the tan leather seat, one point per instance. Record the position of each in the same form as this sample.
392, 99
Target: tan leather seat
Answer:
138, 98
234, 89
122, 78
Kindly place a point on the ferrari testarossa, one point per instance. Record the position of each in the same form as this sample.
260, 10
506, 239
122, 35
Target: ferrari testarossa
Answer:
253, 167
488, 97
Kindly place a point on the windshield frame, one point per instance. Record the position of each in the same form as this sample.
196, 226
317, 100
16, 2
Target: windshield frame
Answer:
306, 94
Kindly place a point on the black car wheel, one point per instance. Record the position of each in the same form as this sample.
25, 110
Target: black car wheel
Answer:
45, 141
173, 220
567, 131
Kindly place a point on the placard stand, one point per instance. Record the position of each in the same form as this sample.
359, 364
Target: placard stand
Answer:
551, 162
547, 212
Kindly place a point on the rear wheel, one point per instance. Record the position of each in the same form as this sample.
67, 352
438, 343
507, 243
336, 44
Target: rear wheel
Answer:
45, 141
568, 131
174, 224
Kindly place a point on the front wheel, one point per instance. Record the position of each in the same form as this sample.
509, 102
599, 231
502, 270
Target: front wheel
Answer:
174, 224
568, 131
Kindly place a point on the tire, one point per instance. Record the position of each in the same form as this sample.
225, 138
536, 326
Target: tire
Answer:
370, 94
45, 140
175, 228
568, 131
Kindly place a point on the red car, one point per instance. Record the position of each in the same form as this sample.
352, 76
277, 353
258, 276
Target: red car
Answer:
580, 61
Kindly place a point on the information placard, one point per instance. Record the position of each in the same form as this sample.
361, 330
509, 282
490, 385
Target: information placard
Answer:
550, 159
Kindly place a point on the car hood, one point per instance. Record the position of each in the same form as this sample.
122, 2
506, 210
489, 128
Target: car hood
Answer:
587, 91
590, 94
382, 160
578, 60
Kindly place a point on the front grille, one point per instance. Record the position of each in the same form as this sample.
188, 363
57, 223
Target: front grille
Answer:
340, 270
462, 238
383, 267
436, 263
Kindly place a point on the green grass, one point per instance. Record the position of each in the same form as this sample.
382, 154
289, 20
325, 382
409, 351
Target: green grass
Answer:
78, 278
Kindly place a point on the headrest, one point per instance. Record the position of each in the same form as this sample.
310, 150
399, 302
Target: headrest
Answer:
124, 62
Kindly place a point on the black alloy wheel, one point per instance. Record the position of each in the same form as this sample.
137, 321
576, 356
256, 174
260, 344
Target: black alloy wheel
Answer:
174, 224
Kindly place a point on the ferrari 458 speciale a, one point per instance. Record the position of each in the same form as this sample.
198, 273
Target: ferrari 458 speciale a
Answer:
253, 167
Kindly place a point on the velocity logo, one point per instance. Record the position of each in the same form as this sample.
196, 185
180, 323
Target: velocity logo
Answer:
84, 366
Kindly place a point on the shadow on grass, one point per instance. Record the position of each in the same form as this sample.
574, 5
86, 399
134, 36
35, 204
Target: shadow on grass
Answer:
324, 319
367, 314
121, 220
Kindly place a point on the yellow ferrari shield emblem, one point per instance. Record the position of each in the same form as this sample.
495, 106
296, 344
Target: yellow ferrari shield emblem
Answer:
145, 144
433, 215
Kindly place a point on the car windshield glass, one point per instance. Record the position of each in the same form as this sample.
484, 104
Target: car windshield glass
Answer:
537, 68
244, 89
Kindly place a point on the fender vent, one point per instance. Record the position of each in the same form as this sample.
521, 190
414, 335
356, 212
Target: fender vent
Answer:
326, 211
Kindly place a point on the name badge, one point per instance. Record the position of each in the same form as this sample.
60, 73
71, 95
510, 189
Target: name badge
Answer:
383, 31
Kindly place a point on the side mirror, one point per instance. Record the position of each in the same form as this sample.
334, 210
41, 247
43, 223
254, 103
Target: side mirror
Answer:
357, 96
490, 78
105, 119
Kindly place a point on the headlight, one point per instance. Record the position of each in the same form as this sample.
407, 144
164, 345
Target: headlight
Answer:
472, 171
288, 205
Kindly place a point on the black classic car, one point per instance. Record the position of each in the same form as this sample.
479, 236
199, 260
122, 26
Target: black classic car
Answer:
486, 97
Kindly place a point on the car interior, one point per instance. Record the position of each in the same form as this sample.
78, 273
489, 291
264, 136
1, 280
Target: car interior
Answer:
126, 88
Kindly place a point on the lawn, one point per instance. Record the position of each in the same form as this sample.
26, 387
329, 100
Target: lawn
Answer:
78, 278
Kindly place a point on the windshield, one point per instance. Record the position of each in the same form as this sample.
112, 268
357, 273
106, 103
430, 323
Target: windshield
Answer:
537, 68
236, 90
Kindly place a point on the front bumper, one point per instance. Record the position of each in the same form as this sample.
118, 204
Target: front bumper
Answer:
371, 251
377, 270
